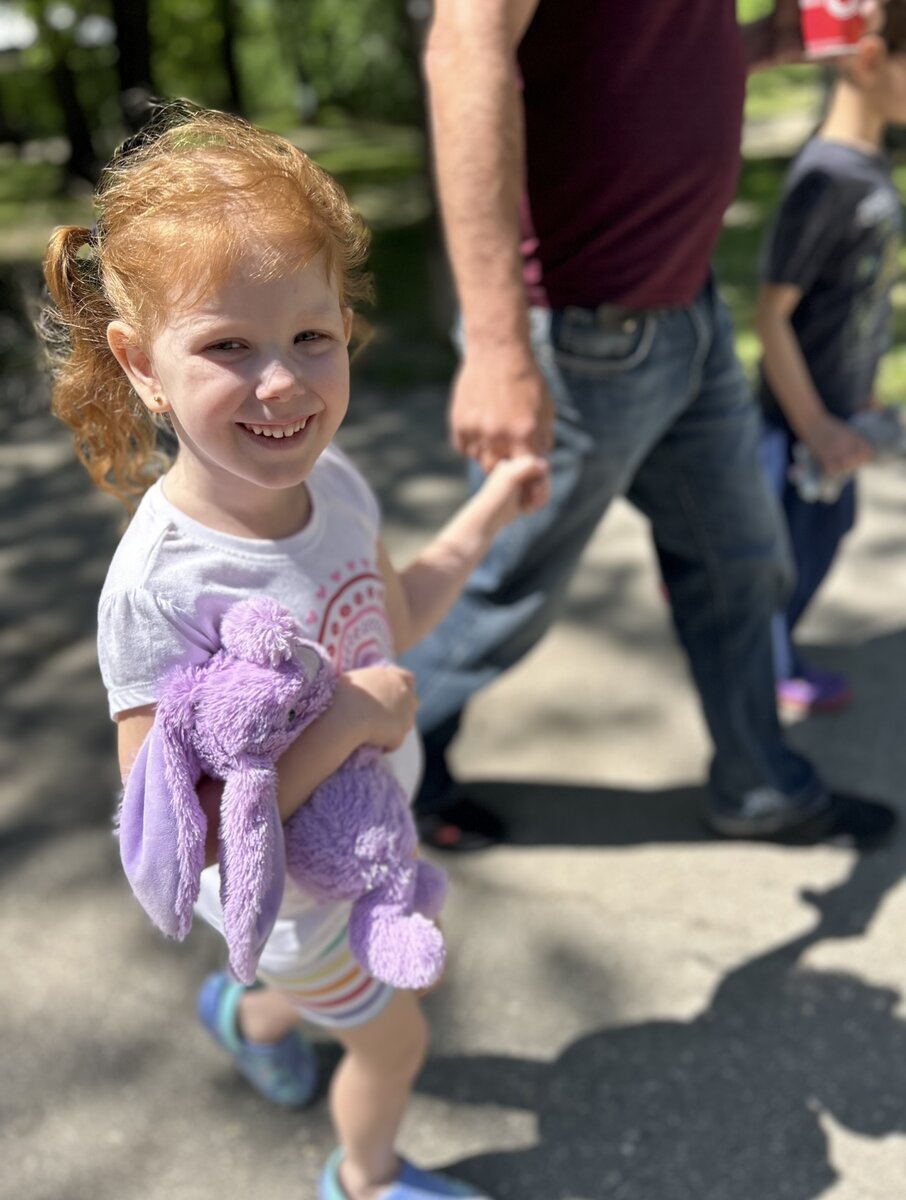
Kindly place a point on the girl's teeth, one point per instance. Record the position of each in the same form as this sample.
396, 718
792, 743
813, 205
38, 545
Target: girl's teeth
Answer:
285, 431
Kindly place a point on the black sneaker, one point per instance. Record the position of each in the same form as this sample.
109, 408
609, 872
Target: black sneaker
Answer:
460, 827
852, 821
767, 815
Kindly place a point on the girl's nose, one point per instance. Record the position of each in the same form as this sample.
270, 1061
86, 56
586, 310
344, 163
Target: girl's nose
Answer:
278, 382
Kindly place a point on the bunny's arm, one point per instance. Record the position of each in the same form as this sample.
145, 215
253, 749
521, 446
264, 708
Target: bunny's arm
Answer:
372, 706
314, 755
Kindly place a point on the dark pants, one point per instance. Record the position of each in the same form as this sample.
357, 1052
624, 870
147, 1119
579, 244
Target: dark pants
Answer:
655, 407
815, 530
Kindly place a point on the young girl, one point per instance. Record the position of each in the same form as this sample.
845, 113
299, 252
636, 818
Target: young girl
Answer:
215, 295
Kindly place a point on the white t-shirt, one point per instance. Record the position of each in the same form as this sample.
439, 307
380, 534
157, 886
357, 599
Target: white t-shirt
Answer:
172, 578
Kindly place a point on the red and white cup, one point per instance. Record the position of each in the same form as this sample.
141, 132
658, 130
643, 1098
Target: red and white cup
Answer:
831, 27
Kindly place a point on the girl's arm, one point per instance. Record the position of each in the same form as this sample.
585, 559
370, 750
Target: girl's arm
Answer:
375, 705
132, 727
418, 597
837, 447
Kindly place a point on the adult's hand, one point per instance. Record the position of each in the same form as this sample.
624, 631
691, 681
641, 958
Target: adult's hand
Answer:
501, 407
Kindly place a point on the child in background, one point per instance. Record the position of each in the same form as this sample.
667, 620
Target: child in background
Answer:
829, 264
216, 294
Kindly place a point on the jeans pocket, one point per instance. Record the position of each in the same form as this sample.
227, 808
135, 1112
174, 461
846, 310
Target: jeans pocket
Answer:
583, 345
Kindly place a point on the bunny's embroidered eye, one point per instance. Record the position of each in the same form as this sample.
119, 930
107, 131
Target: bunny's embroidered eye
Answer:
291, 715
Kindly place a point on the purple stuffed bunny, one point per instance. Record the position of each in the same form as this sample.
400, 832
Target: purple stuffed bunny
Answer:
354, 839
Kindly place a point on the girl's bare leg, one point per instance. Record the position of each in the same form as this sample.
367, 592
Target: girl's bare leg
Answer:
370, 1091
266, 1015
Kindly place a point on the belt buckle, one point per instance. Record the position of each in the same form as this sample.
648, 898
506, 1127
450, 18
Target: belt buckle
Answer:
612, 316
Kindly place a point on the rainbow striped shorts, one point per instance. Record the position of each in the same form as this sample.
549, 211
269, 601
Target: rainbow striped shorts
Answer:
307, 957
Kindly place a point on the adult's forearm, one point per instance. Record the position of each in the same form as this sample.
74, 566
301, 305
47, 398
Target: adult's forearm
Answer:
477, 126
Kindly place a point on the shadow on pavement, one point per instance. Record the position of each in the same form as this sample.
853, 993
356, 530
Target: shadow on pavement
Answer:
552, 813
722, 1107
726, 1105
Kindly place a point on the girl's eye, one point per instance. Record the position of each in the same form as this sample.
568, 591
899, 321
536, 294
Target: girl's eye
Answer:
310, 335
227, 344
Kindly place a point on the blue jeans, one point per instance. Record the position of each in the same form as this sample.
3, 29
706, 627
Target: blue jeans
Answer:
815, 530
653, 406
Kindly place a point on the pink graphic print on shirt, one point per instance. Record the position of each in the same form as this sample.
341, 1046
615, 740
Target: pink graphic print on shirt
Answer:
354, 628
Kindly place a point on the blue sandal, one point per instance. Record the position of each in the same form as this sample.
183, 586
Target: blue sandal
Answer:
410, 1184
284, 1072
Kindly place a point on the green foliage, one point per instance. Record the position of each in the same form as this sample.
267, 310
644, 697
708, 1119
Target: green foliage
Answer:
355, 55
347, 66
295, 56
28, 103
751, 10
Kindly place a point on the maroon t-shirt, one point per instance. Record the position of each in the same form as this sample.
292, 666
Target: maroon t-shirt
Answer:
633, 113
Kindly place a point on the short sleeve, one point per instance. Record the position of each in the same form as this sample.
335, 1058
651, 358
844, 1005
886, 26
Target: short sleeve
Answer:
359, 492
805, 232
140, 636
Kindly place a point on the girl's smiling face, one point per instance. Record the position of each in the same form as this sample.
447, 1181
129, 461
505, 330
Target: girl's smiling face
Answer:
255, 378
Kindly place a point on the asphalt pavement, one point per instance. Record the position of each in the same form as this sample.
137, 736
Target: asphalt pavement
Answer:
634, 1010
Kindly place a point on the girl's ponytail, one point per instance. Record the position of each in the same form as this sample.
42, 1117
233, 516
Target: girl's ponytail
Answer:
115, 436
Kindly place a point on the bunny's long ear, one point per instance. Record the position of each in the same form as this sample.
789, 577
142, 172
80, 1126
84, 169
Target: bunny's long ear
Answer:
161, 829
252, 863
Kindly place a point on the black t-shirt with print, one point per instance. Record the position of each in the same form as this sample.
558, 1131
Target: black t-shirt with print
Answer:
836, 237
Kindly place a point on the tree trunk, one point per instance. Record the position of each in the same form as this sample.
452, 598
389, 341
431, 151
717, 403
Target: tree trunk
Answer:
441, 289
229, 12
133, 43
82, 162
291, 38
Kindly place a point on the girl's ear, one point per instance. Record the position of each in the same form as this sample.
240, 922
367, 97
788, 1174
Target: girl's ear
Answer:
129, 352
348, 320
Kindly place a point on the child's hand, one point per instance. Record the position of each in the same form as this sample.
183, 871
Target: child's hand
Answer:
837, 447
514, 486
383, 700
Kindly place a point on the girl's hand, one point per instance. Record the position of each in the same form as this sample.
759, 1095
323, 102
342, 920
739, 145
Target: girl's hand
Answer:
514, 486
837, 447
382, 701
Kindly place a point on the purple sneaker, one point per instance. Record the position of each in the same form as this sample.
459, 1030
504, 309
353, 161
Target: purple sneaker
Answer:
284, 1072
813, 691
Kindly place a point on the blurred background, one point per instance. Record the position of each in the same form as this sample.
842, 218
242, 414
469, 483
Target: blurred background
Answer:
733, 988
341, 78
